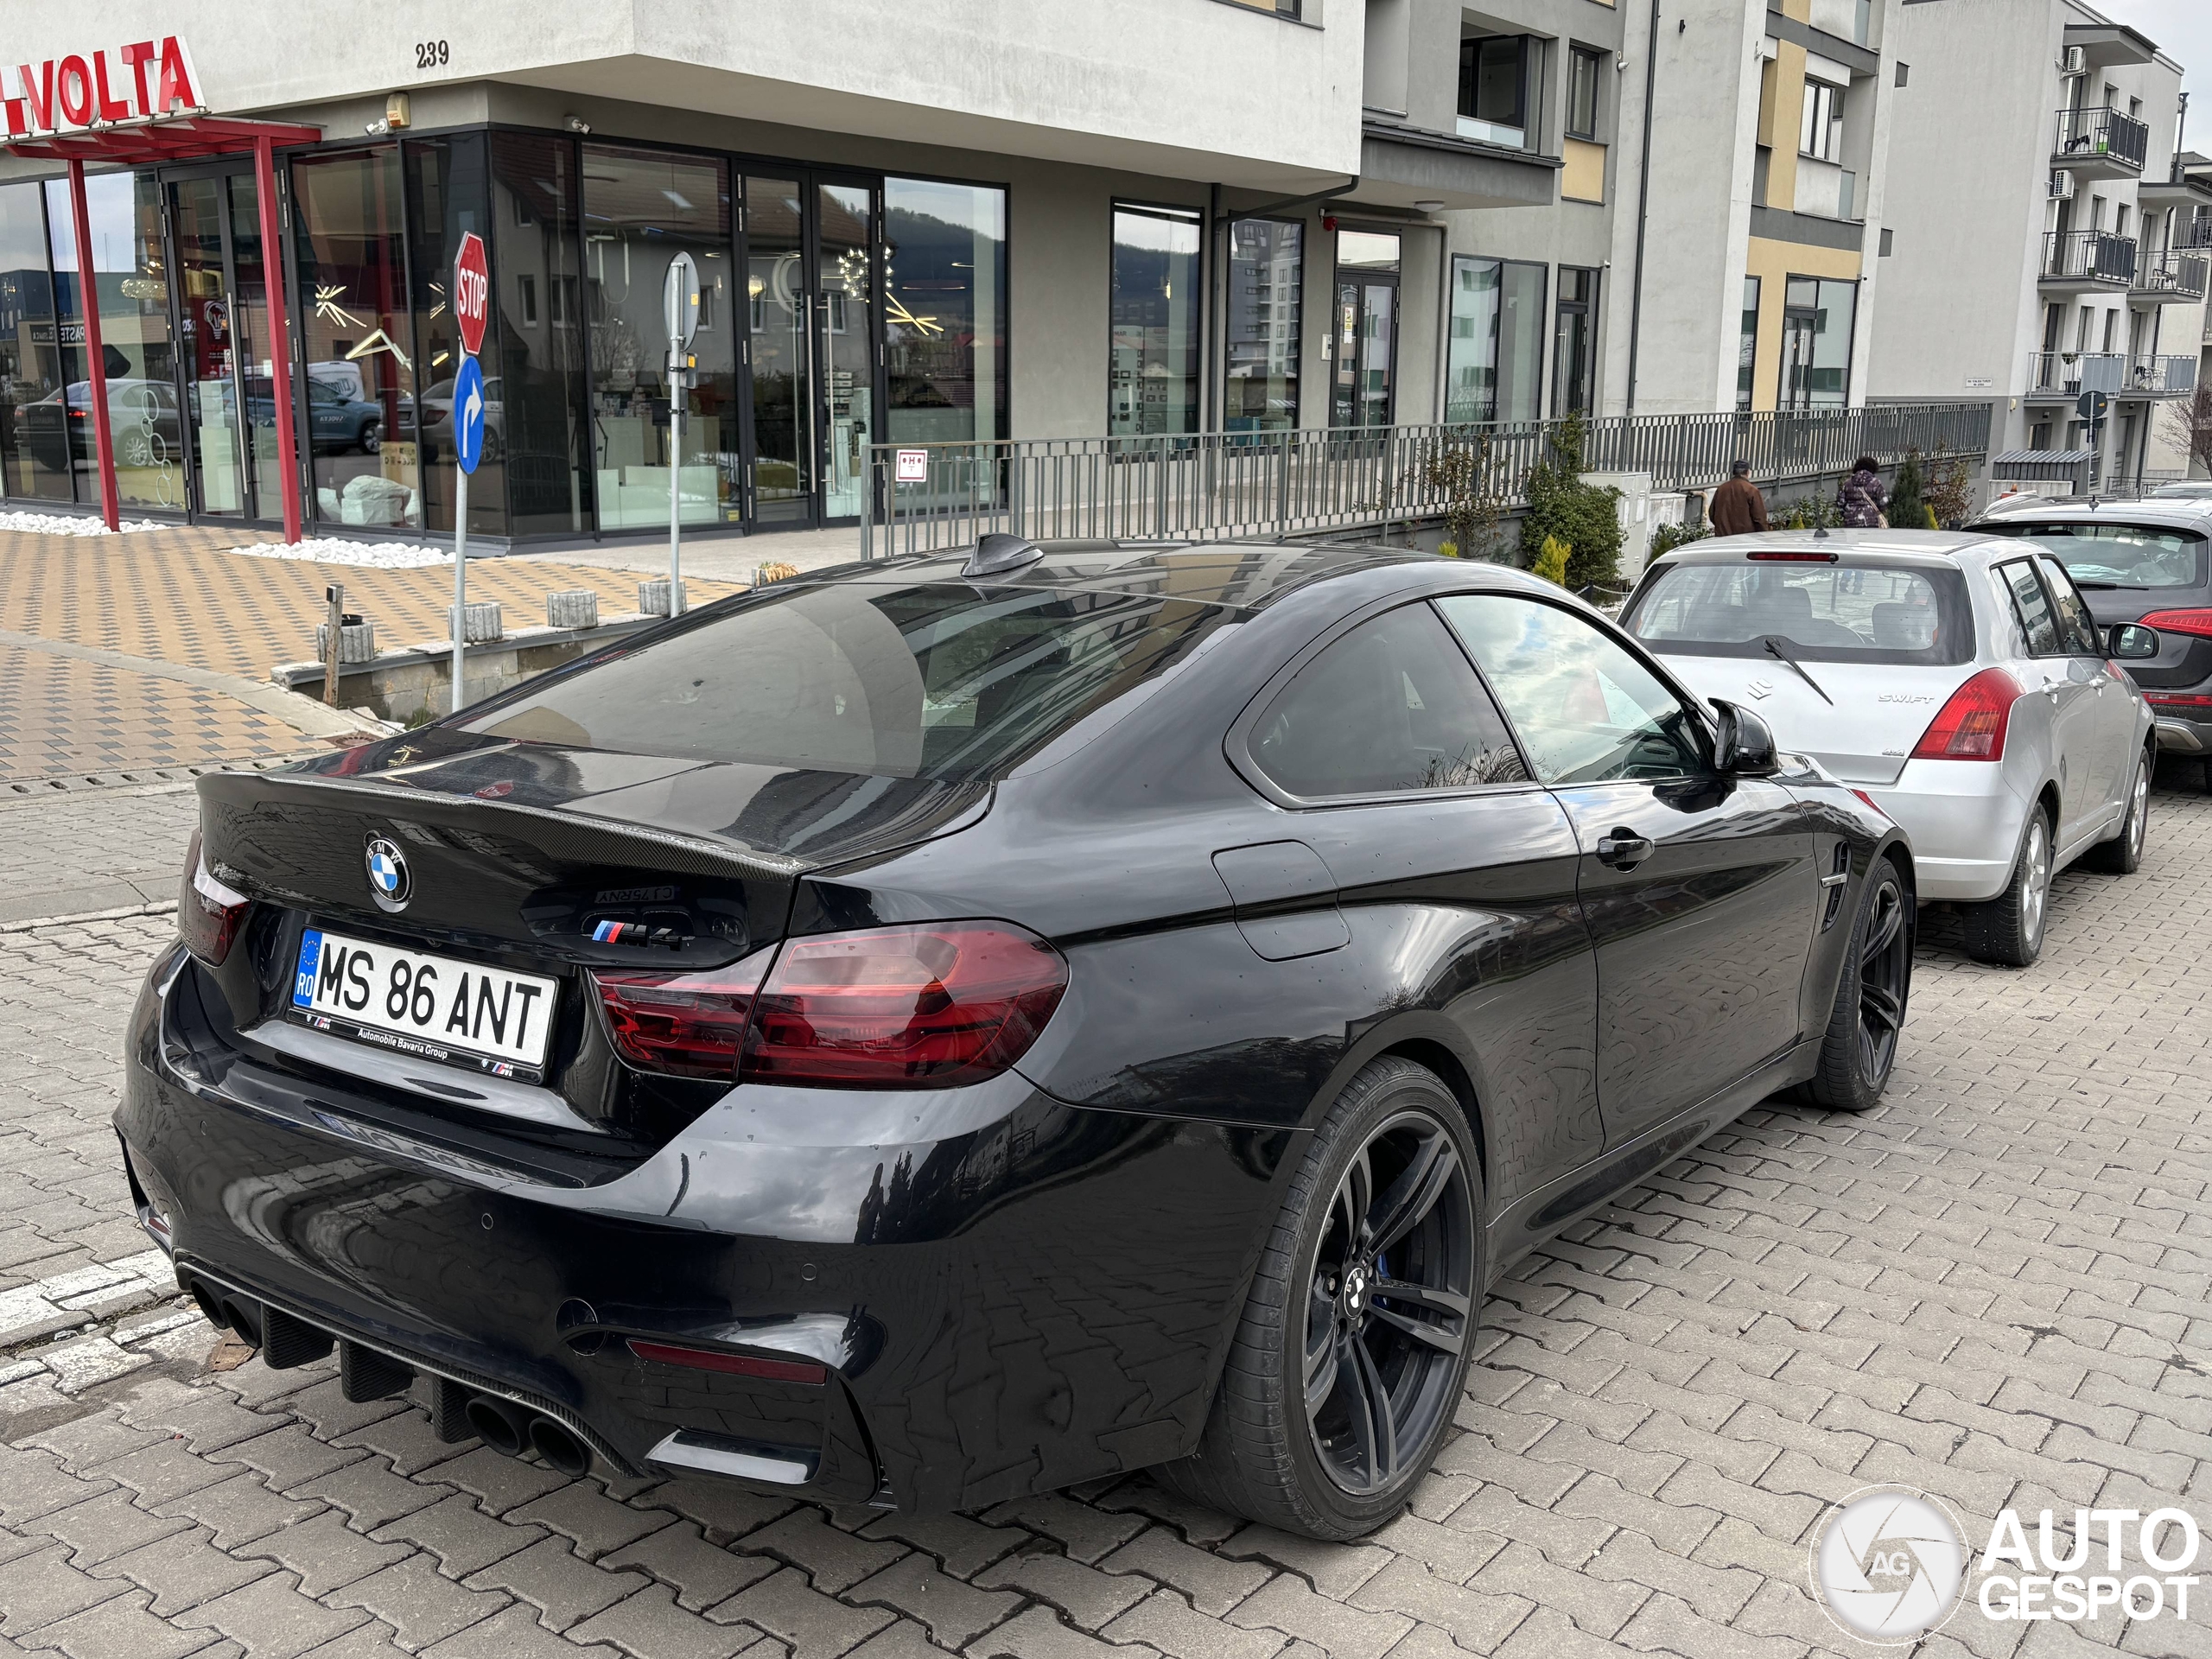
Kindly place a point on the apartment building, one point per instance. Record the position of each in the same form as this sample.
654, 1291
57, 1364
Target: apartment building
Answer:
1710, 257
2045, 244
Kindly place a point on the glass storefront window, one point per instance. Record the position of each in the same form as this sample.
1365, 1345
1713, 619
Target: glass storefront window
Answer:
1267, 258
447, 196
1747, 343
537, 362
359, 360
1153, 375
1494, 359
1575, 353
641, 208
124, 212
33, 437
783, 388
944, 311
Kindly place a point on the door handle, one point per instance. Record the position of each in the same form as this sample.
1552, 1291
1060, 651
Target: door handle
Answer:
1624, 848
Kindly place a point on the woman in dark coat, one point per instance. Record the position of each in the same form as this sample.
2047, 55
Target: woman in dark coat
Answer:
1862, 500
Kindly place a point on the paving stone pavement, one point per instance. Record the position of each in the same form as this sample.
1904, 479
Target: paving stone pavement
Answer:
1992, 1288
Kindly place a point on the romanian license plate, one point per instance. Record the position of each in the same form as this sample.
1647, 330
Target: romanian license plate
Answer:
431, 1007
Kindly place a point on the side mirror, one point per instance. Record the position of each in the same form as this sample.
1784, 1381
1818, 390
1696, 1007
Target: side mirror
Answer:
1743, 746
2133, 641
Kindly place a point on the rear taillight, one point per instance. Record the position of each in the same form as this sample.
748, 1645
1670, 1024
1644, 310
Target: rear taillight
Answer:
905, 1007
2196, 623
1971, 726
2178, 700
1775, 557
685, 1025
713, 1359
208, 913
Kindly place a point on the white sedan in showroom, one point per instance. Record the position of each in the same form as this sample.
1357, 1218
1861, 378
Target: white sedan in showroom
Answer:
1955, 682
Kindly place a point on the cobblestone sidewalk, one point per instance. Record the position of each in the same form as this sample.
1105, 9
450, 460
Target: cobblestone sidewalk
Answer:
1992, 1288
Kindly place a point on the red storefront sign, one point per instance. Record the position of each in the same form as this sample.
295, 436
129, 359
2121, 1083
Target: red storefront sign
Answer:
471, 292
82, 90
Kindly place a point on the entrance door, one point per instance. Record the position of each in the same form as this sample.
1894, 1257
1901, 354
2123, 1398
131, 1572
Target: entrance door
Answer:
813, 265
221, 299
1367, 328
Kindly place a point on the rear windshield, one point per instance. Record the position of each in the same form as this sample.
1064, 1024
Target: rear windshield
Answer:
1849, 611
2118, 555
943, 681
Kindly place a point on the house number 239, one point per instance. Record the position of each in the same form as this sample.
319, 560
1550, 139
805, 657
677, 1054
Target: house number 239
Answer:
431, 55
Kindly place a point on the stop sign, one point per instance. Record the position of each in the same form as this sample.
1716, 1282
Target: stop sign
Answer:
471, 292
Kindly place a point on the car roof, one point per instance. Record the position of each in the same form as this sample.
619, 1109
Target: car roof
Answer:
2173, 512
1925, 548
1246, 575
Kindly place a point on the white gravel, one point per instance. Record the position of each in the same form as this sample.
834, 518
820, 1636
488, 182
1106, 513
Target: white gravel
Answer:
334, 550
56, 524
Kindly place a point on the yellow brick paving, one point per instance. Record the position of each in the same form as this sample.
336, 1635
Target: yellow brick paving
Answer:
176, 595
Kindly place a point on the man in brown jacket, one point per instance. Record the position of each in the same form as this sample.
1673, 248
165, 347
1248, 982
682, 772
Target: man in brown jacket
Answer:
1738, 507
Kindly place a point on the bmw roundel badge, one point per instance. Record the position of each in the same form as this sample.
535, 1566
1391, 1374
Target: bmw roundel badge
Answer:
390, 883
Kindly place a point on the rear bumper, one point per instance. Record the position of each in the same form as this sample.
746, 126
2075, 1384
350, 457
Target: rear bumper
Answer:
1006, 1295
2177, 736
1964, 820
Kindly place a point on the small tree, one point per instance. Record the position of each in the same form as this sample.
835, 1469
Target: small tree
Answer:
1949, 491
1552, 561
1465, 476
1908, 510
2188, 426
1585, 518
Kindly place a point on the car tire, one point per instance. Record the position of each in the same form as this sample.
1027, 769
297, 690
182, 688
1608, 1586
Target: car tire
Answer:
2008, 930
1866, 1021
1391, 1172
372, 436
2123, 854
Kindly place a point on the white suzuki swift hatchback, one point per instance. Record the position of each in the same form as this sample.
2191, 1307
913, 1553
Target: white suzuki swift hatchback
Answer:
1957, 681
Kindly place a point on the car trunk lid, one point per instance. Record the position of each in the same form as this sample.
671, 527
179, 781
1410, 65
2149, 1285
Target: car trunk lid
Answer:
1863, 731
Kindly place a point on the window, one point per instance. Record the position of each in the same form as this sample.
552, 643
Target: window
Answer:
1586, 709
1494, 359
1389, 708
1821, 131
1493, 90
1267, 258
2077, 629
1574, 352
935, 681
1747, 343
2117, 556
944, 311
1583, 81
641, 207
1362, 391
2031, 609
1153, 374
2112, 325
526, 299
1817, 315
446, 200
544, 421
1848, 611
34, 444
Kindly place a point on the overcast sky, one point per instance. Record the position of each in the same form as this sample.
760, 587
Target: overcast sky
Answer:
2183, 29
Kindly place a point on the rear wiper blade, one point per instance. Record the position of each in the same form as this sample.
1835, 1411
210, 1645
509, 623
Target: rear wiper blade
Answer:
1774, 649
2105, 586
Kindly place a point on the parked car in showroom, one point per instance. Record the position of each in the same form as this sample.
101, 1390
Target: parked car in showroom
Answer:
1956, 679
983, 1021
2148, 562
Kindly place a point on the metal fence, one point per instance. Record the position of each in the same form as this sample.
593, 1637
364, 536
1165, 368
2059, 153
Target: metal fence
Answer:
925, 496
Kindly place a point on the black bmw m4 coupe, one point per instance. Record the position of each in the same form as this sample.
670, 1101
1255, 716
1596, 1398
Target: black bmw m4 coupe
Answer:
952, 1027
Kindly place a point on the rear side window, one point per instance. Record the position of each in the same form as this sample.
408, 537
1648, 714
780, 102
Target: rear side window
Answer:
2031, 608
1848, 611
2077, 629
943, 681
2118, 555
1391, 707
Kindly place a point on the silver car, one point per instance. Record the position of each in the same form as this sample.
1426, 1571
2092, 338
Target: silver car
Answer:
1956, 682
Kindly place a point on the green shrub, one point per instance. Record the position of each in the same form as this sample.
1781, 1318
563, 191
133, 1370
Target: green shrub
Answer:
1670, 537
1448, 550
1907, 505
1552, 561
1583, 518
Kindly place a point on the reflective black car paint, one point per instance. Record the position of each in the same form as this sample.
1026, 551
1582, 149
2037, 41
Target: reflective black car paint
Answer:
1030, 1282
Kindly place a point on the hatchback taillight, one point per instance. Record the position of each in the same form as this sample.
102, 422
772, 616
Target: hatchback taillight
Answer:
903, 1007
2198, 623
208, 913
1971, 726
685, 1025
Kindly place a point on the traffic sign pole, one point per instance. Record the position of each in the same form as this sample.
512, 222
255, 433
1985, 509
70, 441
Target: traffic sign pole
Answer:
459, 577
680, 304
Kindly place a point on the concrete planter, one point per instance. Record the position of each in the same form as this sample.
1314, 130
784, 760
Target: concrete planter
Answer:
652, 597
414, 682
480, 624
579, 609
357, 642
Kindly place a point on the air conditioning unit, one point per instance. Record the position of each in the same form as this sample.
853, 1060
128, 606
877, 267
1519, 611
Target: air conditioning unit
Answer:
2061, 187
2075, 62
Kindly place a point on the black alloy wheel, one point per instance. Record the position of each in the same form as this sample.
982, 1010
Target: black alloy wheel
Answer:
1884, 975
1386, 1315
1351, 1354
1859, 1048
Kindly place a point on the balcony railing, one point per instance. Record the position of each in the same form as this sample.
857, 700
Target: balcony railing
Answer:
1248, 484
2170, 274
2142, 374
2087, 257
2100, 135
